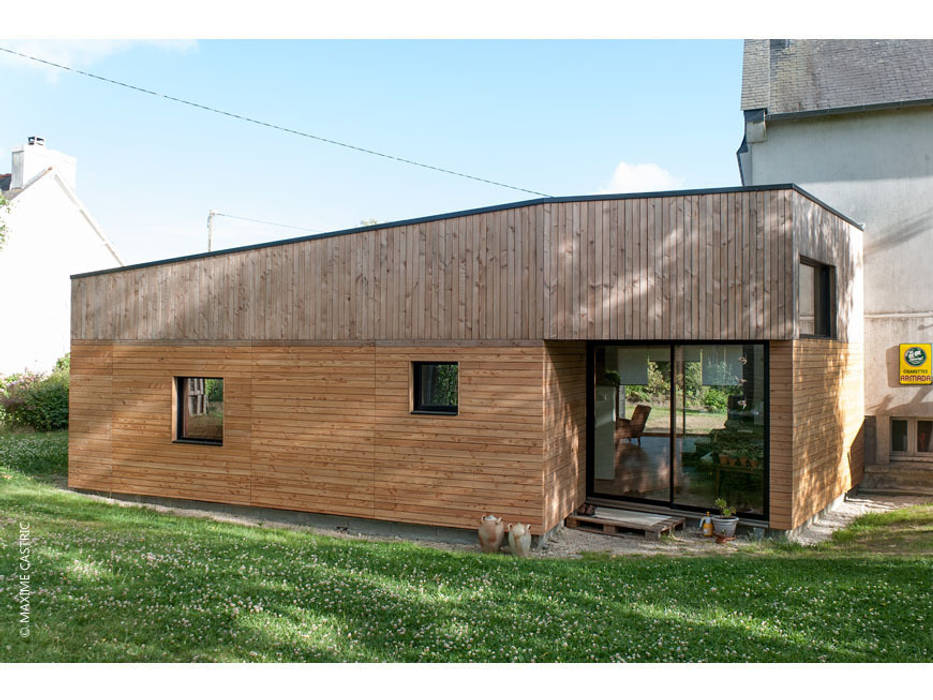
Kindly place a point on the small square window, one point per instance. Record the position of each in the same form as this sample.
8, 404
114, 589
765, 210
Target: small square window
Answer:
200, 409
434, 387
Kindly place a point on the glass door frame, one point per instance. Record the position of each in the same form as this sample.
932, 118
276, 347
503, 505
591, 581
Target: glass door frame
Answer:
672, 345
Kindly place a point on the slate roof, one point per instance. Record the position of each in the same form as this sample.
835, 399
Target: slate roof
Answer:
791, 76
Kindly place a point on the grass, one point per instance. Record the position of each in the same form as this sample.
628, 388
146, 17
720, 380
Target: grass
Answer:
117, 583
699, 421
909, 530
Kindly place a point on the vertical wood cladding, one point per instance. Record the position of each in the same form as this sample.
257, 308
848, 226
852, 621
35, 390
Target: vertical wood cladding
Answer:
817, 409
718, 265
781, 435
323, 429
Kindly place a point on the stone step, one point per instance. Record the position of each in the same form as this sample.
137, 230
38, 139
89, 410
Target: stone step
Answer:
900, 466
908, 478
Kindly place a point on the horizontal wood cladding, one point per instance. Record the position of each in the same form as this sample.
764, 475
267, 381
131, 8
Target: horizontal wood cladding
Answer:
699, 266
324, 429
828, 413
90, 402
817, 409
564, 429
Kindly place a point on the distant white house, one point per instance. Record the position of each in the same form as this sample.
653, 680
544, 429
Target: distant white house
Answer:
50, 235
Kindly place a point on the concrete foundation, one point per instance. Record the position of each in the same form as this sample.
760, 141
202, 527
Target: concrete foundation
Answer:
366, 527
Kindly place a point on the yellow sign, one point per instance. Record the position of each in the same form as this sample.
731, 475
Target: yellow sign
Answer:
915, 364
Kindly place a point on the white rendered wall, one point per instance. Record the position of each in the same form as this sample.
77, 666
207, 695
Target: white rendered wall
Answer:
48, 239
876, 167
30, 160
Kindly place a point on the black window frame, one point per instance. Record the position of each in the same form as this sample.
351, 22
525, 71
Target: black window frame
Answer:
824, 299
591, 491
430, 409
180, 393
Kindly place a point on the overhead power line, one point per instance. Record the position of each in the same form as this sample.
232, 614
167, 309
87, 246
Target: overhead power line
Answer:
213, 213
270, 223
270, 125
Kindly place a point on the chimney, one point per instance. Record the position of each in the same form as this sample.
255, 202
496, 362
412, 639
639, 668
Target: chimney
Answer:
34, 158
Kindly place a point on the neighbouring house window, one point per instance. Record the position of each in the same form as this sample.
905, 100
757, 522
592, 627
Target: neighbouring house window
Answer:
924, 428
912, 437
817, 299
200, 409
899, 435
434, 387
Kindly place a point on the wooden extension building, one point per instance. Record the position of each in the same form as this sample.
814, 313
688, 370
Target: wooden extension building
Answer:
658, 350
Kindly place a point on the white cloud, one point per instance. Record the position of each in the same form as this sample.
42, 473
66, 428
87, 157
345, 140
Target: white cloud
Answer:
77, 53
641, 177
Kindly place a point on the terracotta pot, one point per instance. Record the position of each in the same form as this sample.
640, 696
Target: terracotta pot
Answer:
722, 460
520, 539
491, 531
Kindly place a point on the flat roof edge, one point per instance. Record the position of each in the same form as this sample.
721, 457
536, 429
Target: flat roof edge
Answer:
473, 212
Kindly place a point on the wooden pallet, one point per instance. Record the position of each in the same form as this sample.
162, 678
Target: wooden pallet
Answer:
621, 525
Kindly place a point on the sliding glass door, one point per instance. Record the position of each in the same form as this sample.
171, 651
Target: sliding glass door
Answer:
679, 424
632, 421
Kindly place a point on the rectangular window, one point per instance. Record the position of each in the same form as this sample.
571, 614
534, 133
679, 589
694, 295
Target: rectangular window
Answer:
434, 387
912, 439
200, 409
816, 297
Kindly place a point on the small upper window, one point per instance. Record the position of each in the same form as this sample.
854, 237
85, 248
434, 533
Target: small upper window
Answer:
816, 298
200, 409
434, 387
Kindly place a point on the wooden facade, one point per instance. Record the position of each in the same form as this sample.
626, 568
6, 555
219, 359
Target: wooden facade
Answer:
817, 408
324, 429
315, 337
697, 266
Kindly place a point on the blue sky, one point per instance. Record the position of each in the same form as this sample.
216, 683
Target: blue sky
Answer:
561, 117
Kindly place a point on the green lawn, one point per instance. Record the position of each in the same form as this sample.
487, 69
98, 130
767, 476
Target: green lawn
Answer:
128, 584
699, 421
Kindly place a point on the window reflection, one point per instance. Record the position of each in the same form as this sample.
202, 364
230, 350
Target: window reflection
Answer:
680, 424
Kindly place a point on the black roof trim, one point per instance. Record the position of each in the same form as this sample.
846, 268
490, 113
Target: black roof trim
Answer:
473, 212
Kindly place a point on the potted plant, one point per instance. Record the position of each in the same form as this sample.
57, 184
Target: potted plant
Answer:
724, 524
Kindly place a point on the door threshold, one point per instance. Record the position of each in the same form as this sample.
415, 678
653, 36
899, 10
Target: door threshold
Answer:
666, 510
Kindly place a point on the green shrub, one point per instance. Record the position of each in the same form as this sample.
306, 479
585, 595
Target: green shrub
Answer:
63, 363
715, 400
215, 389
37, 401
